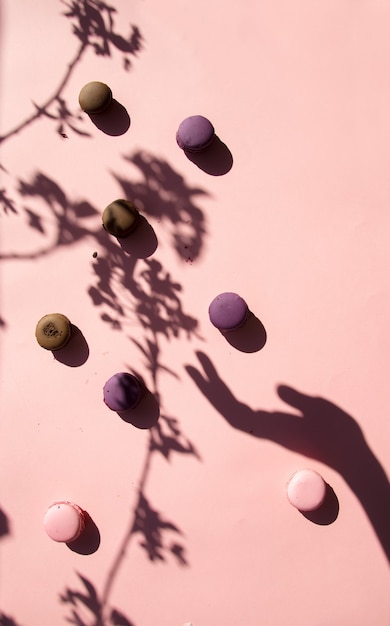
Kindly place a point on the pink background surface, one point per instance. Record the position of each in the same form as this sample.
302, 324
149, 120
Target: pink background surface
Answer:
192, 513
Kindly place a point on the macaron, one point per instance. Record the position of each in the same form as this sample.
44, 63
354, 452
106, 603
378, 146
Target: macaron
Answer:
95, 97
306, 490
122, 392
120, 218
195, 133
53, 331
228, 311
64, 521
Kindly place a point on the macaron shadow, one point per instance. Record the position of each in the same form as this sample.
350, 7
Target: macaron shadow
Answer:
89, 540
113, 121
142, 242
4, 524
75, 352
250, 337
145, 415
215, 160
328, 512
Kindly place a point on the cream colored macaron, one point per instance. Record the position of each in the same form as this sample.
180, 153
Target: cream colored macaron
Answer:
53, 331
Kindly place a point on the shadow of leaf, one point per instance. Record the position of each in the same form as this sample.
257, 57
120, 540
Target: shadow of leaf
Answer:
6, 620
118, 619
56, 216
89, 599
35, 221
178, 551
159, 306
164, 194
93, 25
7, 203
151, 525
166, 438
79, 601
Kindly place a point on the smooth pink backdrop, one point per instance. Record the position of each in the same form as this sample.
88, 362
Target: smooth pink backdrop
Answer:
299, 226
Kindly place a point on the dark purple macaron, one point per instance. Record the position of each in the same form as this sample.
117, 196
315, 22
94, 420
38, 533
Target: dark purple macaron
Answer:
195, 133
122, 392
228, 311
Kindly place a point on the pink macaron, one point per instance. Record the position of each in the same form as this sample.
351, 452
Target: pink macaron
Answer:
64, 521
306, 490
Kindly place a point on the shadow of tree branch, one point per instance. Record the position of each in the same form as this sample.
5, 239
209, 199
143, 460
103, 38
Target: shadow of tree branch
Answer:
123, 283
128, 290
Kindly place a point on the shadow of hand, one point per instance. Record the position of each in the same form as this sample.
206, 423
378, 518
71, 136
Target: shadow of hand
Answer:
317, 429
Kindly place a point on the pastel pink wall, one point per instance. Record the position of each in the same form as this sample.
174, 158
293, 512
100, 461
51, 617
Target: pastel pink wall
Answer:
299, 226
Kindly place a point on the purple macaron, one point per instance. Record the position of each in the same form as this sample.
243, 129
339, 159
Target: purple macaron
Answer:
228, 311
122, 392
195, 133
